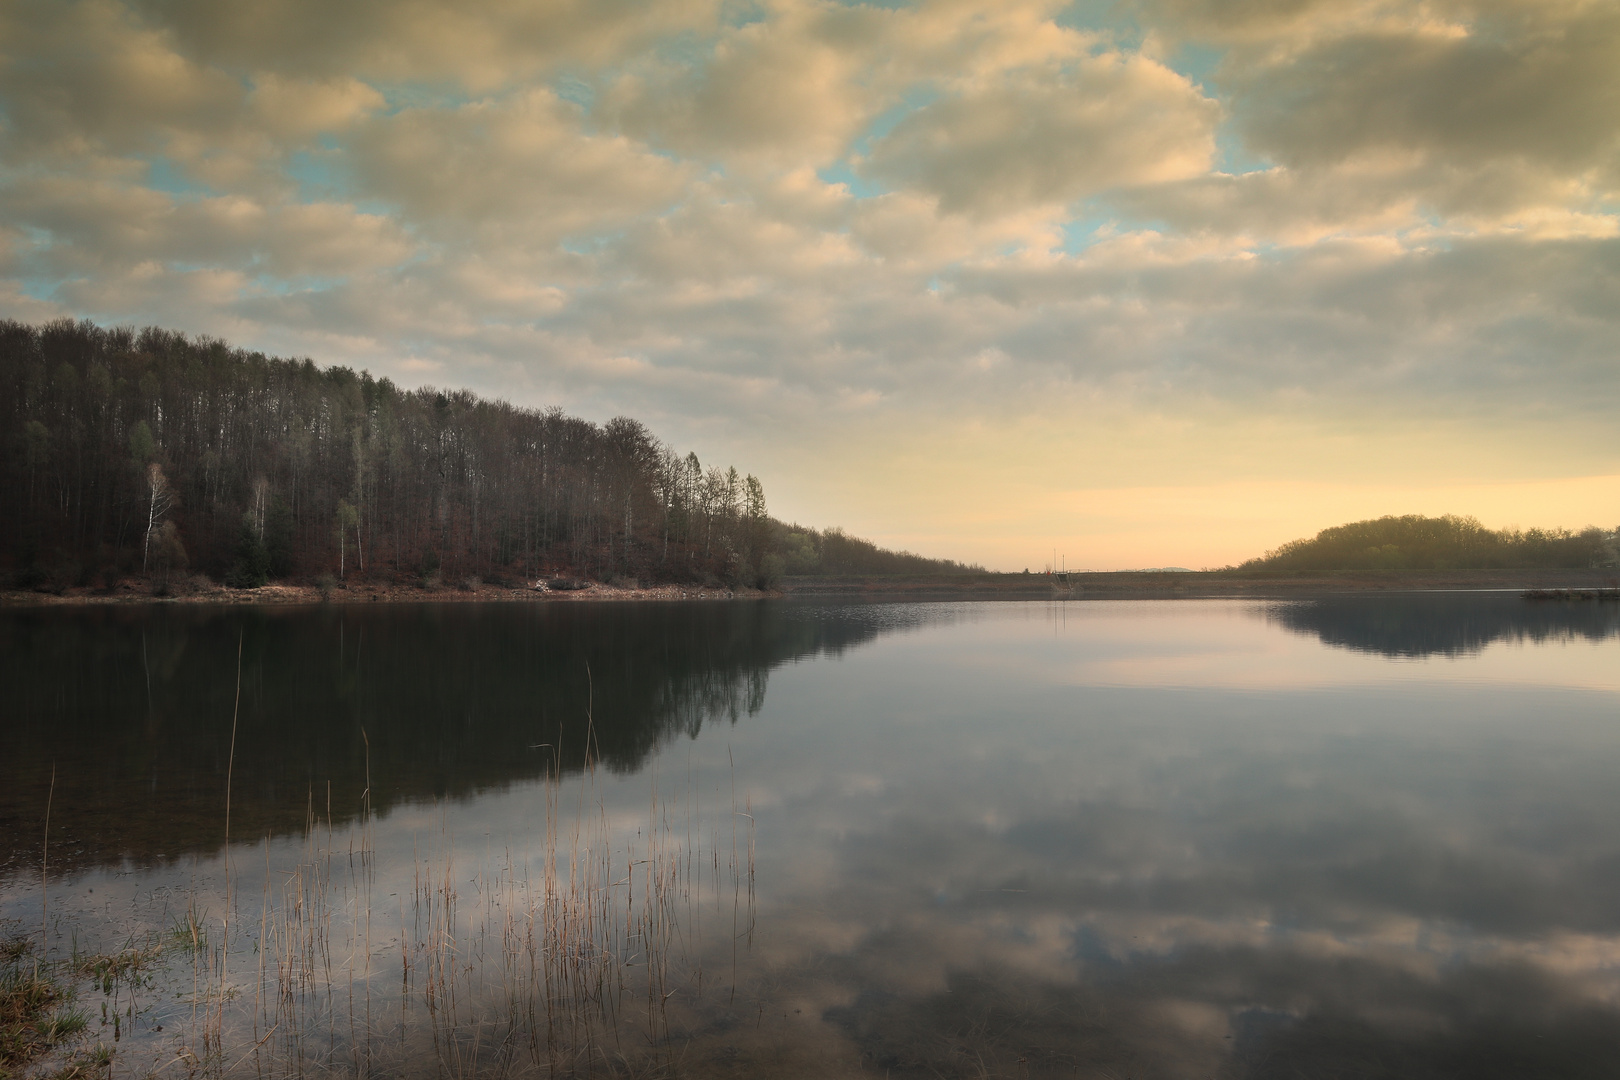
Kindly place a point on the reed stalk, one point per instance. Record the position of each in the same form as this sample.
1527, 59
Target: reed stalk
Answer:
583, 955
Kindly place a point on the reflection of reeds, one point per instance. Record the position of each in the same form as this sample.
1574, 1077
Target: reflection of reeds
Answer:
566, 962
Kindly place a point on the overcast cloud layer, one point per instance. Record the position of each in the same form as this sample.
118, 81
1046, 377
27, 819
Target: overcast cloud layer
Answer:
1156, 282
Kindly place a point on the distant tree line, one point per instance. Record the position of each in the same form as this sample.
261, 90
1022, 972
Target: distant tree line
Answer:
1415, 542
150, 451
835, 553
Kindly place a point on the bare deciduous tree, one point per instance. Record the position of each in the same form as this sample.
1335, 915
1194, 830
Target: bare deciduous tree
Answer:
160, 500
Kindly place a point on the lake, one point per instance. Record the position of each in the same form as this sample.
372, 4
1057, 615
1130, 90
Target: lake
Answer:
1354, 836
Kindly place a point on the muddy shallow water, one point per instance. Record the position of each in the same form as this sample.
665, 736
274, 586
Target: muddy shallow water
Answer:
1354, 836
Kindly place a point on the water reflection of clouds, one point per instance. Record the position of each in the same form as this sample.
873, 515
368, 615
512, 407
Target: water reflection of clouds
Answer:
1403, 863
978, 854
1173, 994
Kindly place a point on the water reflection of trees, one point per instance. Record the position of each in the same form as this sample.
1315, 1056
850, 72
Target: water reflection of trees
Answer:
132, 707
1443, 624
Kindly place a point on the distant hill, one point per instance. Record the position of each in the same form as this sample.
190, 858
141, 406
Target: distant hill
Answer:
1415, 542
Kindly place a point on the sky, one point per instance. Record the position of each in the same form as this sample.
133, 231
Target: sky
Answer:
1127, 284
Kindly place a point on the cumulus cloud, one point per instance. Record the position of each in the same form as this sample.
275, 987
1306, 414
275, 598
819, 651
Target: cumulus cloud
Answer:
1474, 326
801, 86
1392, 117
1531, 89
1268, 23
1276, 204
291, 108
479, 44
1051, 137
1392, 196
102, 227
87, 76
520, 164
785, 89
907, 229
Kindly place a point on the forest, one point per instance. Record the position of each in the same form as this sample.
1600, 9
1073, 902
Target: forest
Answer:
158, 454
1415, 542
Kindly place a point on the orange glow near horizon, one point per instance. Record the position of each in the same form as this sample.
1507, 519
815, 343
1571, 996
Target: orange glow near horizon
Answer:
1214, 525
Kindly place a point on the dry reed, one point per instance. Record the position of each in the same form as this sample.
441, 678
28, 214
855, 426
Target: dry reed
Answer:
561, 963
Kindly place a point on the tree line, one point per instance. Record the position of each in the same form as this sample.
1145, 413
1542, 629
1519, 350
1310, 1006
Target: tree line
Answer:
153, 452
835, 553
1450, 542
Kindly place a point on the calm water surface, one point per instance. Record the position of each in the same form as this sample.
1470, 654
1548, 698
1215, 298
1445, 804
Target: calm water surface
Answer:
1356, 836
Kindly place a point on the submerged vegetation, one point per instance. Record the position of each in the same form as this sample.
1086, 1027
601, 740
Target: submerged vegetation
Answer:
154, 453
1415, 542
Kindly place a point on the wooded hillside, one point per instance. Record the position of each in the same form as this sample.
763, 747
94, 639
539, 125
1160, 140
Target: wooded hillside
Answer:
1415, 542
150, 451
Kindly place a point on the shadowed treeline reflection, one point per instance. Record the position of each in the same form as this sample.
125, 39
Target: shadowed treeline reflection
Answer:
132, 707
1444, 624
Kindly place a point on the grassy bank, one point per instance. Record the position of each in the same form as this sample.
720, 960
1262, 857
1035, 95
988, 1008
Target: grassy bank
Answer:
204, 591
43, 1030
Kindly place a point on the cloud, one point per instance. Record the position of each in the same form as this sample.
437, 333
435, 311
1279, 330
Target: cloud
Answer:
1048, 138
517, 169
713, 243
1534, 89
1263, 22
293, 108
482, 45
170, 294
802, 85
1491, 325
784, 90
86, 76
1393, 196
24, 308
104, 227
1392, 116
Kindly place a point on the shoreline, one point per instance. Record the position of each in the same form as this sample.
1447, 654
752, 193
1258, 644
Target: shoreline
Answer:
362, 592
1090, 585
1202, 584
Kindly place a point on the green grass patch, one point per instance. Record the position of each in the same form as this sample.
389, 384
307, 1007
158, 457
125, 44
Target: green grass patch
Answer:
35, 1017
